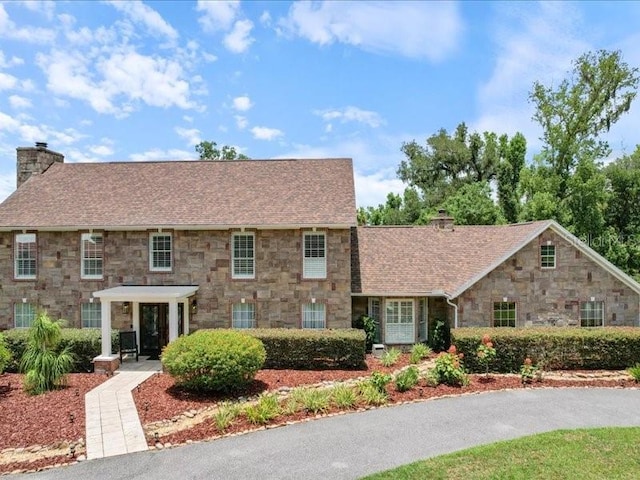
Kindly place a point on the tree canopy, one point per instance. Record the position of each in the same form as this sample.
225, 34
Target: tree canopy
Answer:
208, 150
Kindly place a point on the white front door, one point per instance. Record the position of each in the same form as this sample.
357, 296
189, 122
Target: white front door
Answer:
399, 324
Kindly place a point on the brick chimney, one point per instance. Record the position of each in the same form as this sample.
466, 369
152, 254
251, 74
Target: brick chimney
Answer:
35, 160
442, 221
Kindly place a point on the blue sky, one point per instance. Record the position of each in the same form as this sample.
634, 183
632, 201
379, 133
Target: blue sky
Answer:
114, 81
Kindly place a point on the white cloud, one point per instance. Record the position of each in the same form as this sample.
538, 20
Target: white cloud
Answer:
101, 150
430, 30
239, 39
18, 103
159, 154
124, 78
191, 135
7, 82
242, 104
20, 126
144, 15
13, 61
241, 122
7, 185
29, 34
265, 18
42, 6
372, 190
218, 15
351, 114
265, 133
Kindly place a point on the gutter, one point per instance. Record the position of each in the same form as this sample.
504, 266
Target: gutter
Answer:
455, 313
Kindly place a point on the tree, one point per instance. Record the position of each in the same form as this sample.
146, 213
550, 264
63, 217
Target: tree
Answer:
397, 210
574, 115
473, 205
448, 162
512, 160
209, 151
44, 366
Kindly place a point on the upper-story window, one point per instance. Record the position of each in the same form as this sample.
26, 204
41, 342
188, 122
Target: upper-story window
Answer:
314, 255
243, 255
25, 256
160, 252
548, 256
92, 256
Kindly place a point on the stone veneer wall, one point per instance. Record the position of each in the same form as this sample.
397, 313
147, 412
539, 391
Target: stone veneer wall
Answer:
546, 297
200, 258
34, 160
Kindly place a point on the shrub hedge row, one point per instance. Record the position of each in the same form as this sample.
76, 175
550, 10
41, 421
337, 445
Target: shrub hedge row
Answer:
553, 348
312, 349
84, 343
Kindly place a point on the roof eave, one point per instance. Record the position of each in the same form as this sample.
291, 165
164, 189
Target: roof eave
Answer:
111, 228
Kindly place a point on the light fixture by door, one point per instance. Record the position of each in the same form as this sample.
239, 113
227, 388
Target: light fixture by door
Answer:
194, 306
125, 308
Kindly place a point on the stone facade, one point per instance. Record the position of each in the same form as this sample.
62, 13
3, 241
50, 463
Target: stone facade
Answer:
200, 258
546, 297
35, 160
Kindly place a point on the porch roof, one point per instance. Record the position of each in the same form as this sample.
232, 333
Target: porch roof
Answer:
146, 293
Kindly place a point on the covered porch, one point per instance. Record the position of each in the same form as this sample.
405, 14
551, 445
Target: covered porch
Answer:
174, 300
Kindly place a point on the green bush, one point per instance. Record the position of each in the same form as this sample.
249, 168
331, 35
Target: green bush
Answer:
289, 348
390, 357
407, 378
419, 351
379, 381
368, 324
264, 410
214, 360
449, 368
84, 343
635, 372
441, 340
5, 355
566, 348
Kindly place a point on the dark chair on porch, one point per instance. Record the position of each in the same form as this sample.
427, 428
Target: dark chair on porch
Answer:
128, 344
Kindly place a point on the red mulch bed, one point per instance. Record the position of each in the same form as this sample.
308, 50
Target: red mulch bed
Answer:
159, 399
27, 420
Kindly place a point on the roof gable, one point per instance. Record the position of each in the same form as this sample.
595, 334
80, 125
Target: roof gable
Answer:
185, 194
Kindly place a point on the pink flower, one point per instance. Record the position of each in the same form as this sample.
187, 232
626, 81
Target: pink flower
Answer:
452, 349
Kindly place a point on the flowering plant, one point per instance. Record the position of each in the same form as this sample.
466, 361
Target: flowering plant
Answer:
486, 353
449, 368
529, 371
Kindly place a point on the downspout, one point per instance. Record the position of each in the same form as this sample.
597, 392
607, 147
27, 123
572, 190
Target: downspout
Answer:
455, 312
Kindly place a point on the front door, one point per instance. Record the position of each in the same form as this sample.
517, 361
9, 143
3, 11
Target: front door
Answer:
154, 328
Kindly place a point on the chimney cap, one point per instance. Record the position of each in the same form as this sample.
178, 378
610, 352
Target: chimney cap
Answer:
41, 145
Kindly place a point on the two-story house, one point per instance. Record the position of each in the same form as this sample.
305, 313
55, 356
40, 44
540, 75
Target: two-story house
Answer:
167, 247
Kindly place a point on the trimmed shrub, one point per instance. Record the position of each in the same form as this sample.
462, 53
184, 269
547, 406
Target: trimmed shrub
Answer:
5, 355
84, 343
609, 348
214, 360
299, 349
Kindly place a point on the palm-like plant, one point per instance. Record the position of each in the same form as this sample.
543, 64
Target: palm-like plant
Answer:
45, 367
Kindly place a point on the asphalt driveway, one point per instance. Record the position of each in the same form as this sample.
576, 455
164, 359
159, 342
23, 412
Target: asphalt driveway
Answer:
349, 446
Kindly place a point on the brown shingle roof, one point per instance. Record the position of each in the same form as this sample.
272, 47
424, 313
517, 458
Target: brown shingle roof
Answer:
411, 260
188, 193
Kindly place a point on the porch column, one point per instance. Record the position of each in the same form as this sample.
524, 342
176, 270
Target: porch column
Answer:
106, 327
186, 311
173, 320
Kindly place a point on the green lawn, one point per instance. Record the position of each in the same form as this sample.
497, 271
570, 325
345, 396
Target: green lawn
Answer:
603, 453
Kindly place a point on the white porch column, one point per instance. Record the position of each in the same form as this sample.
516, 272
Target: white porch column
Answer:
106, 327
136, 320
173, 320
186, 311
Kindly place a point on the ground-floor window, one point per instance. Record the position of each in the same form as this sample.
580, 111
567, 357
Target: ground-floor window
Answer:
504, 314
243, 315
91, 315
23, 315
399, 322
313, 315
592, 314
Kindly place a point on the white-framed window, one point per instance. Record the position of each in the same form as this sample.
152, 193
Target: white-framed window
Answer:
243, 255
92, 256
592, 314
23, 315
243, 315
314, 255
504, 314
399, 321
25, 256
314, 315
91, 315
160, 252
548, 256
